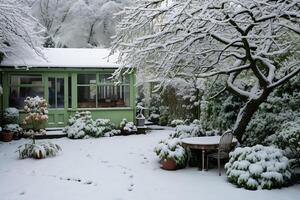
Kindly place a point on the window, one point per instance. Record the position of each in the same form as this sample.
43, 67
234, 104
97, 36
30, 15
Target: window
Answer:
23, 86
98, 90
56, 92
86, 91
110, 95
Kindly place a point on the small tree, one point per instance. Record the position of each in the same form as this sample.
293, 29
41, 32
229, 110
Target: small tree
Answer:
245, 40
37, 113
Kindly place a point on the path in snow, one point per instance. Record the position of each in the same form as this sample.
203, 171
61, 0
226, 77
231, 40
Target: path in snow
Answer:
116, 168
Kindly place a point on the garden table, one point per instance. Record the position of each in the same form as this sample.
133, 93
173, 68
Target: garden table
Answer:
203, 143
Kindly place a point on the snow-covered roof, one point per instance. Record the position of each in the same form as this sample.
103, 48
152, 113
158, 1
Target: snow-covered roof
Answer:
66, 57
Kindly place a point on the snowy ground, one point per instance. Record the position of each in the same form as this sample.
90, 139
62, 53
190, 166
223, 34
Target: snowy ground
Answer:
115, 168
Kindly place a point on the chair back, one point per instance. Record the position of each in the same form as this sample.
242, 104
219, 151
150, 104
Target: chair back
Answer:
226, 141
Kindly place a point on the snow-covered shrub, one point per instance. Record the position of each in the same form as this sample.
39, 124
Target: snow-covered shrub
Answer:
37, 112
82, 125
14, 128
258, 167
154, 118
192, 130
38, 150
127, 127
176, 122
171, 149
31, 132
11, 115
288, 139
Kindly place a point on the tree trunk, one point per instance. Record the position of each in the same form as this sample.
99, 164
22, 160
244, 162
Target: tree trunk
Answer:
246, 113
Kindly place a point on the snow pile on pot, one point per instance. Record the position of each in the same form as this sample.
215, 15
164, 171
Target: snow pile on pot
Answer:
127, 127
38, 150
82, 125
14, 128
171, 149
192, 130
258, 167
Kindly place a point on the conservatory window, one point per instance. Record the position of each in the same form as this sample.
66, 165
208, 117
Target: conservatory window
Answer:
23, 86
99, 91
110, 95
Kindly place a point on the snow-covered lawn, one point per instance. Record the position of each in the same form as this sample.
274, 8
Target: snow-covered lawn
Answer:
121, 167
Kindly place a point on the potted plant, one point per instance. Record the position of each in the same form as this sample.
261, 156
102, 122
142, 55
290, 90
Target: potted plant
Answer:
127, 127
12, 129
171, 154
11, 118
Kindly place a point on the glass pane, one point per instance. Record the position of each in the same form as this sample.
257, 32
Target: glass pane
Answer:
26, 79
113, 96
17, 95
86, 96
105, 78
51, 93
60, 91
86, 79
70, 91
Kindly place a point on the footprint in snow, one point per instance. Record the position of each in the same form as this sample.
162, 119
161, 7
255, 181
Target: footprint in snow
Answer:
130, 188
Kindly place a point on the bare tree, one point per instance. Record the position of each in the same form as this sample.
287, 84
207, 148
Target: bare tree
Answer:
245, 40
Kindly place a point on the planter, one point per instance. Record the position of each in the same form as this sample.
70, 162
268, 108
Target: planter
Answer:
37, 125
168, 164
7, 136
140, 121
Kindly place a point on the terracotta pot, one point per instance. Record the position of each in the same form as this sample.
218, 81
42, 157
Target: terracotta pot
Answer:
168, 165
7, 136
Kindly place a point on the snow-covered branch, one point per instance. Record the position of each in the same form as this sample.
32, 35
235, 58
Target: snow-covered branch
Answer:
20, 32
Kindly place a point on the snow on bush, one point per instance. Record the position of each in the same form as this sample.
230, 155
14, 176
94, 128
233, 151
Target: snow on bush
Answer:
171, 149
14, 128
38, 150
37, 112
288, 139
192, 130
176, 122
128, 127
11, 115
258, 167
82, 125
154, 117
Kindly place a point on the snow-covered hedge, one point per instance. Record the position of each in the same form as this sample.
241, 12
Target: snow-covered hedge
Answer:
38, 150
11, 115
172, 149
82, 125
127, 127
192, 130
258, 167
288, 139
